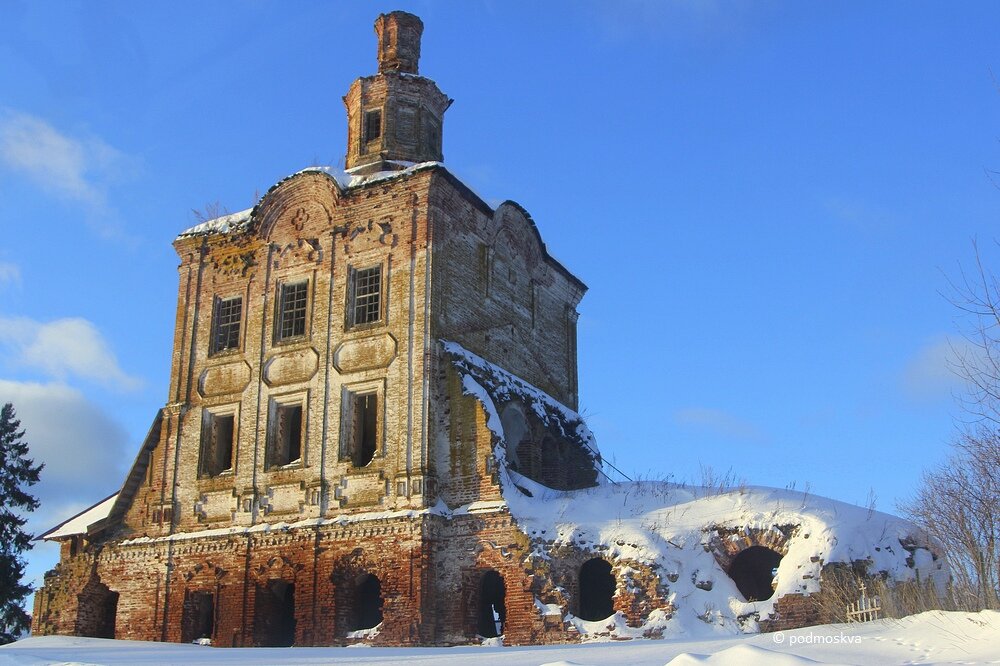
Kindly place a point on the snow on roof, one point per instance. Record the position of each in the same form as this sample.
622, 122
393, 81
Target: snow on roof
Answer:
220, 225
79, 523
344, 178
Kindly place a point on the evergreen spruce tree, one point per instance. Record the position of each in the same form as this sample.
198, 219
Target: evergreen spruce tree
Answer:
17, 472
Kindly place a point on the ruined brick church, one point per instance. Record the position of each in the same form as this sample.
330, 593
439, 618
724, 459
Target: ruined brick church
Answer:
370, 369
284, 493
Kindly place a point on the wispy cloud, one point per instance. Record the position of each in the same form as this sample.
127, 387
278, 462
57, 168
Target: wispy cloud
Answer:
9, 273
929, 374
76, 169
863, 216
718, 422
84, 450
63, 348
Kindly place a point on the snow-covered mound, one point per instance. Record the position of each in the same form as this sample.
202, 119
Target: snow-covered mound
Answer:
677, 530
689, 538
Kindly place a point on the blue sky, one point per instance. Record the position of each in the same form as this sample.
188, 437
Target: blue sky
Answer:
766, 199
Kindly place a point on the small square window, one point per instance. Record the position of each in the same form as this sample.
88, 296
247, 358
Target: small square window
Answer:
291, 320
217, 443
366, 296
285, 435
226, 318
373, 125
361, 434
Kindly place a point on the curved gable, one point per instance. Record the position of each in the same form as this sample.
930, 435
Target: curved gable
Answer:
298, 206
512, 219
513, 229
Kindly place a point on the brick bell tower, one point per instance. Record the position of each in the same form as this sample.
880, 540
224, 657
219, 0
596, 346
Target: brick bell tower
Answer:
394, 117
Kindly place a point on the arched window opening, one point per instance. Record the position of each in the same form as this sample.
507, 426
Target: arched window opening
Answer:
368, 602
274, 614
753, 571
492, 612
198, 616
597, 590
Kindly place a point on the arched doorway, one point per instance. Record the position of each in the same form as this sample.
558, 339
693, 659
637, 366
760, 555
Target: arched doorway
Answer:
597, 590
367, 602
97, 612
753, 571
492, 612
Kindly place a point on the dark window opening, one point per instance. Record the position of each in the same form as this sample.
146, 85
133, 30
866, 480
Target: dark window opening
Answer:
226, 324
597, 590
373, 125
286, 435
492, 610
274, 614
217, 439
197, 616
97, 611
292, 310
366, 296
753, 571
363, 435
368, 603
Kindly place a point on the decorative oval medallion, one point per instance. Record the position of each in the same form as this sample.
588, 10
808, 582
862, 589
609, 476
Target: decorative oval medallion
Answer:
291, 367
223, 379
376, 351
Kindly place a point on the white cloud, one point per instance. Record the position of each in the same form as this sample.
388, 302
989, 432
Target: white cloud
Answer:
718, 422
76, 169
930, 375
9, 273
63, 348
85, 452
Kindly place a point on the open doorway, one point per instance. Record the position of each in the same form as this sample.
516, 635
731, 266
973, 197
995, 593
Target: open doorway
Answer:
274, 616
367, 602
492, 612
753, 570
597, 590
198, 616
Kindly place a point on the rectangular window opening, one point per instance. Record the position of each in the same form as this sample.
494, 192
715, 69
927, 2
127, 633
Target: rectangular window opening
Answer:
286, 435
292, 310
366, 296
363, 435
226, 324
373, 125
217, 440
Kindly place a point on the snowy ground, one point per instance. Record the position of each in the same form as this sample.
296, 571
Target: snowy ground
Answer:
929, 638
